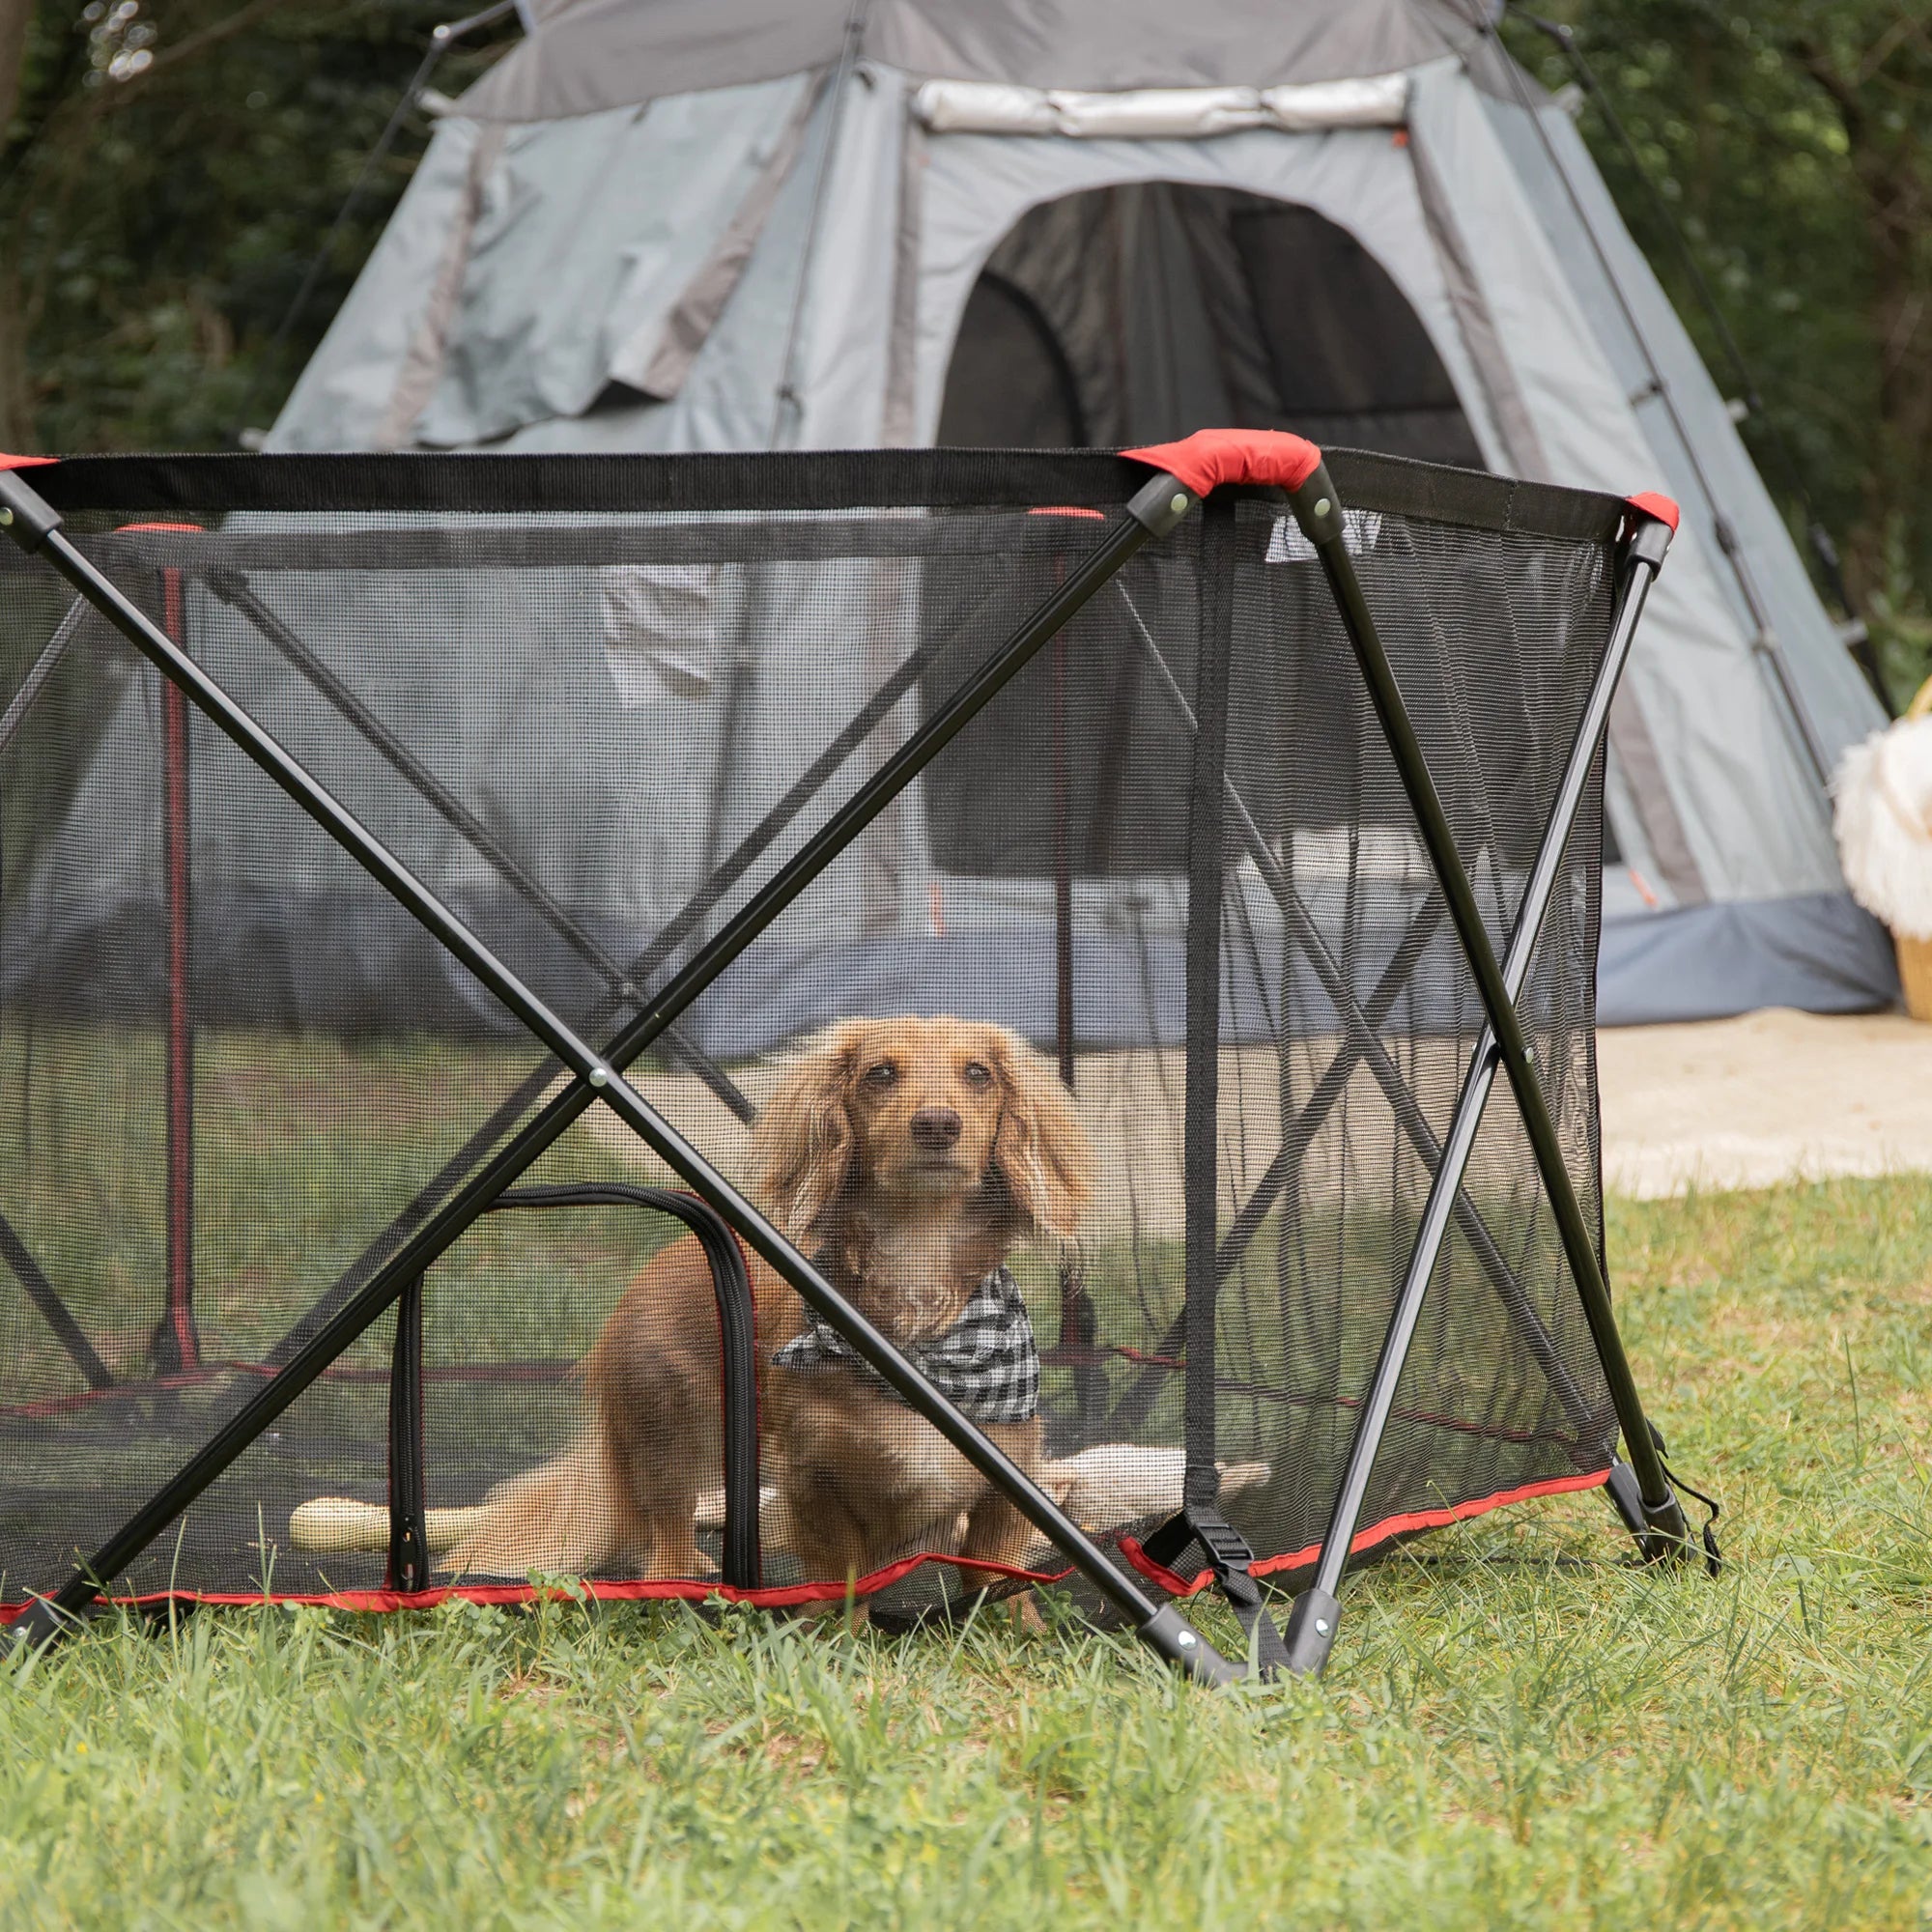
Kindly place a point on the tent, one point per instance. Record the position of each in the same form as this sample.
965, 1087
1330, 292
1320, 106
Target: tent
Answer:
734, 224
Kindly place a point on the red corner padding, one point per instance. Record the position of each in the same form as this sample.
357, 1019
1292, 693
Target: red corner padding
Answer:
1212, 456
23, 462
1654, 505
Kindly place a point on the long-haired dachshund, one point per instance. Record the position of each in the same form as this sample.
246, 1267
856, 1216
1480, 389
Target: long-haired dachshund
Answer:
909, 1157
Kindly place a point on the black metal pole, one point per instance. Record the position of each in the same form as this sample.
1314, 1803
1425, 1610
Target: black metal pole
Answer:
41, 668
1312, 1624
45, 1296
1206, 879
1155, 509
1078, 1324
1132, 1409
177, 1346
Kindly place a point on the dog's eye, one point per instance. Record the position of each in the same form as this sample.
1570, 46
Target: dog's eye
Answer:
978, 1073
881, 1075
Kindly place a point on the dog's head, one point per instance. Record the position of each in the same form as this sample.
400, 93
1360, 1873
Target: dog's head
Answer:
922, 1112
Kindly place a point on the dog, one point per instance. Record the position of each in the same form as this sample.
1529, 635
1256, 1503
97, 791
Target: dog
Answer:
909, 1157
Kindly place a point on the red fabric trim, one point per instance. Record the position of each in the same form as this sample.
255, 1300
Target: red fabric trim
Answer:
1214, 456
793, 1594
690, 1591
128, 530
1662, 508
24, 461
1365, 1539
1067, 510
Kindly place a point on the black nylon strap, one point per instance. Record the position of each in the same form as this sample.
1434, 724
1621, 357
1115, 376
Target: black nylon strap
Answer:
1231, 1559
1266, 1651
1206, 856
1201, 1520
408, 1527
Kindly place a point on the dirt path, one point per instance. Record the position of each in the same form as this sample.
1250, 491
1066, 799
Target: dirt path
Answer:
1751, 1102
1730, 1103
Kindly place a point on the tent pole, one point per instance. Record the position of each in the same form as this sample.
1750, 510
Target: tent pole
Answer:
442, 39
1155, 509
1663, 1532
786, 400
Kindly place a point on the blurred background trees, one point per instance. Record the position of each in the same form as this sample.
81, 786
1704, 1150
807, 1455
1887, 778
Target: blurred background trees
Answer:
169, 167
1789, 144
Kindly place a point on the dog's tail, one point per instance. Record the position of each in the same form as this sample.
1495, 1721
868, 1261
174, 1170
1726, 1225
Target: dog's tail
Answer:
568, 1517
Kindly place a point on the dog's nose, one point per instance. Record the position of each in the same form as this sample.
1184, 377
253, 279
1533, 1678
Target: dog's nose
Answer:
935, 1128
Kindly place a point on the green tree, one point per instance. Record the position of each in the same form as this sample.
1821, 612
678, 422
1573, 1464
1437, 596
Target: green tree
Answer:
167, 169
1788, 142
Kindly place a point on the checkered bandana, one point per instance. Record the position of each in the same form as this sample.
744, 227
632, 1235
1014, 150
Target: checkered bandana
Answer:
987, 1363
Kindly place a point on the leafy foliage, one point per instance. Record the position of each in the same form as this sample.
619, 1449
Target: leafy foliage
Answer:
154, 227
1787, 144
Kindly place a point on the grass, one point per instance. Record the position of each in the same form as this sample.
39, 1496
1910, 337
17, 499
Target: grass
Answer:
1518, 1730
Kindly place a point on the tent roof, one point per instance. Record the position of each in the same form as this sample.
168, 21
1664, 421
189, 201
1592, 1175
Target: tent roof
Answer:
588, 55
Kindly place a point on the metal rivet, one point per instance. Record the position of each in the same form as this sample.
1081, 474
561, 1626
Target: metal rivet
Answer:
598, 1076
1323, 506
1186, 1640
6, 517
1320, 1626
1179, 504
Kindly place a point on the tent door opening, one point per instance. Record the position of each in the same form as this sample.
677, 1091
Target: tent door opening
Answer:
1128, 314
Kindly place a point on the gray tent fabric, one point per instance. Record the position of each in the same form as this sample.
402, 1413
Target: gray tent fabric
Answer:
598, 54
726, 224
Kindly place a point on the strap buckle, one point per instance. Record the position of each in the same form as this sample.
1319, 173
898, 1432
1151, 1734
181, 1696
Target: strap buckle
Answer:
1231, 1558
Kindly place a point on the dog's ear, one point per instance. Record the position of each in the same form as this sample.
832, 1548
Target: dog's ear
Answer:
802, 1142
1042, 1150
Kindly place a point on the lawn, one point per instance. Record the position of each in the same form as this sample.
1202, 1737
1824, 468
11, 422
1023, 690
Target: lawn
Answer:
1517, 1730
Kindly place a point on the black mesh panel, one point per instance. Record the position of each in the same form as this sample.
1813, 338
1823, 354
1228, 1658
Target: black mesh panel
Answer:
595, 708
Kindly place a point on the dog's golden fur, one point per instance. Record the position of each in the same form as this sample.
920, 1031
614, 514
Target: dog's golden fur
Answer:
909, 1156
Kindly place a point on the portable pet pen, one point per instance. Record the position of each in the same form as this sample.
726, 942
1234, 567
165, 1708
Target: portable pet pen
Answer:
351, 1014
